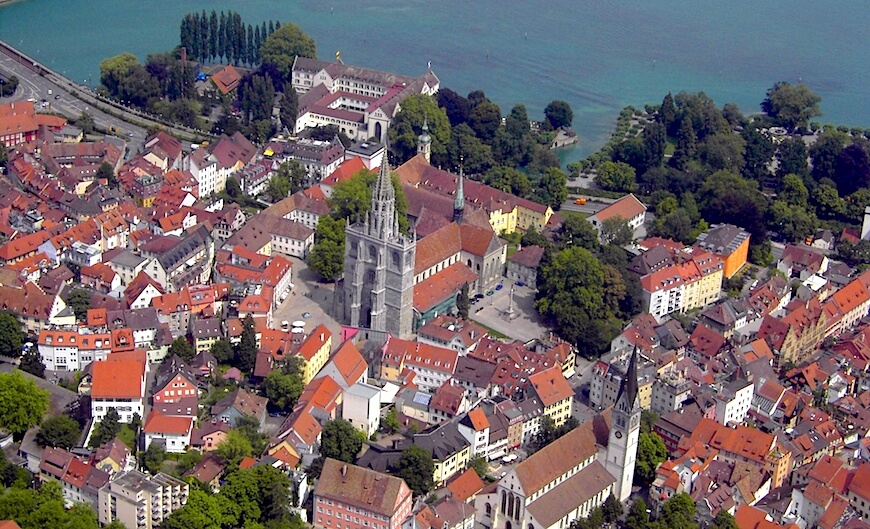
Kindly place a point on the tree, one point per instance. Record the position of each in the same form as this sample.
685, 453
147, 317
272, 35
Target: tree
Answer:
289, 106
246, 350
105, 172
479, 464
648, 419
454, 105
611, 509
794, 223
391, 421
202, 511
188, 460
80, 301
233, 448
616, 176
825, 152
853, 169
340, 440
283, 46
552, 188
182, 348
283, 386
59, 431
723, 151
571, 297
791, 106
31, 362
577, 231
407, 126
222, 350
85, 122
152, 459
558, 114
107, 429
114, 69
466, 151
638, 516
679, 512
327, 255
757, 155
8, 86
793, 191
327, 259
724, 520
485, 119
22, 403
416, 468
616, 230
509, 180
792, 156
462, 302
651, 452
11, 335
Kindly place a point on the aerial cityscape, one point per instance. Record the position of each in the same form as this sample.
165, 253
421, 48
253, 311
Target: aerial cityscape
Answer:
248, 282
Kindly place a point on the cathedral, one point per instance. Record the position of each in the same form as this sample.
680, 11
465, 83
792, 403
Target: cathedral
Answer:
377, 291
567, 479
393, 283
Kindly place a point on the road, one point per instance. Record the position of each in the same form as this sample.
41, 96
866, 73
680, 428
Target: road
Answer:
36, 87
588, 208
75, 99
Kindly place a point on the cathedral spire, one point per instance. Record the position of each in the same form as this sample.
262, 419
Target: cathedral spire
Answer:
459, 201
382, 216
628, 388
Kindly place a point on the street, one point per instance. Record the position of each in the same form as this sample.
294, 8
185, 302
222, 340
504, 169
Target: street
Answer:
36, 87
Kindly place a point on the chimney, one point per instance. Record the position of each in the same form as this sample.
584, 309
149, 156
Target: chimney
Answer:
344, 470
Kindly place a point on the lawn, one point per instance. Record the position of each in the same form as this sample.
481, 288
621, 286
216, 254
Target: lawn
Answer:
492, 332
565, 213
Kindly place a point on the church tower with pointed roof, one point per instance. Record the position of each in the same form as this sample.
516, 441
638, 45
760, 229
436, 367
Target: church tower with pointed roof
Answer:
377, 291
624, 432
424, 142
459, 200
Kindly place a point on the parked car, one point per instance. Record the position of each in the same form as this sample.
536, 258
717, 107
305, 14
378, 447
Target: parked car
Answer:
520, 284
499, 286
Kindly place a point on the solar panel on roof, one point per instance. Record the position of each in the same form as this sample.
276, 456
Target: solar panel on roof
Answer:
422, 398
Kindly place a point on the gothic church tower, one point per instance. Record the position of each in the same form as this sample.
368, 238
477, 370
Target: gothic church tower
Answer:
377, 291
624, 433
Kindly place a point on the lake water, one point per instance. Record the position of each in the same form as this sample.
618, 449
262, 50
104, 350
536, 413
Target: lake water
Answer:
599, 55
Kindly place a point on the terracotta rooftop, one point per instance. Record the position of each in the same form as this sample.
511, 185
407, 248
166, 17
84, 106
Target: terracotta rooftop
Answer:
626, 208
114, 380
551, 386
361, 487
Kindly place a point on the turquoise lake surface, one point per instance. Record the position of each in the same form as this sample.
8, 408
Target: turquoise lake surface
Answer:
599, 55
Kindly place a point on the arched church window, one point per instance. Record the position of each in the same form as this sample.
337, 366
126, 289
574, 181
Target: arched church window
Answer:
397, 260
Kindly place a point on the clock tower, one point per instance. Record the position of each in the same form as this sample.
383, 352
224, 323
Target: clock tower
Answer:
624, 432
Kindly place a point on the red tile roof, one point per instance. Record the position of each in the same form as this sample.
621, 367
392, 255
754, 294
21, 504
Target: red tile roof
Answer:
345, 171
466, 486
478, 419
441, 286
227, 79
551, 386
118, 380
159, 423
349, 362
315, 341
626, 208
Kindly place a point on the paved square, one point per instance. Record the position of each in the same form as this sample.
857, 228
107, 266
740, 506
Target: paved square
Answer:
524, 324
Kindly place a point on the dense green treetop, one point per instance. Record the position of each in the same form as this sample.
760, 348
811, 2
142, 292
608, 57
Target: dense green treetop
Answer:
22, 403
283, 46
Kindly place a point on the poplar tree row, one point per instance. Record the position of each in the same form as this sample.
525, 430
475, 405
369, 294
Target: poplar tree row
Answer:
224, 37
